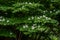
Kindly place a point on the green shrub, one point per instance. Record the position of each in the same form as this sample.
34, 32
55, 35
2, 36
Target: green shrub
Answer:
35, 20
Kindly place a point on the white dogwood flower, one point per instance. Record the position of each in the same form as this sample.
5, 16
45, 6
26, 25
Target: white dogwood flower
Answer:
11, 33
7, 20
6, 13
24, 26
0, 20
38, 26
26, 2
44, 16
54, 10
49, 18
50, 11
4, 24
29, 19
32, 17
38, 17
33, 27
44, 11
30, 3
3, 19
34, 24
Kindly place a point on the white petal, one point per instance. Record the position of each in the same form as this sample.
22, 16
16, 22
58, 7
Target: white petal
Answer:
44, 11
38, 26
24, 26
34, 24
3, 19
29, 19
49, 18
0, 20
38, 17
32, 17
7, 20
33, 27
10, 33
50, 11
4, 24
44, 16
26, 2
30, 3
6, 13
54, 10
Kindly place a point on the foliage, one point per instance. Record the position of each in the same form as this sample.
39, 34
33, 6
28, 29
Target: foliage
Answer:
36, 20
